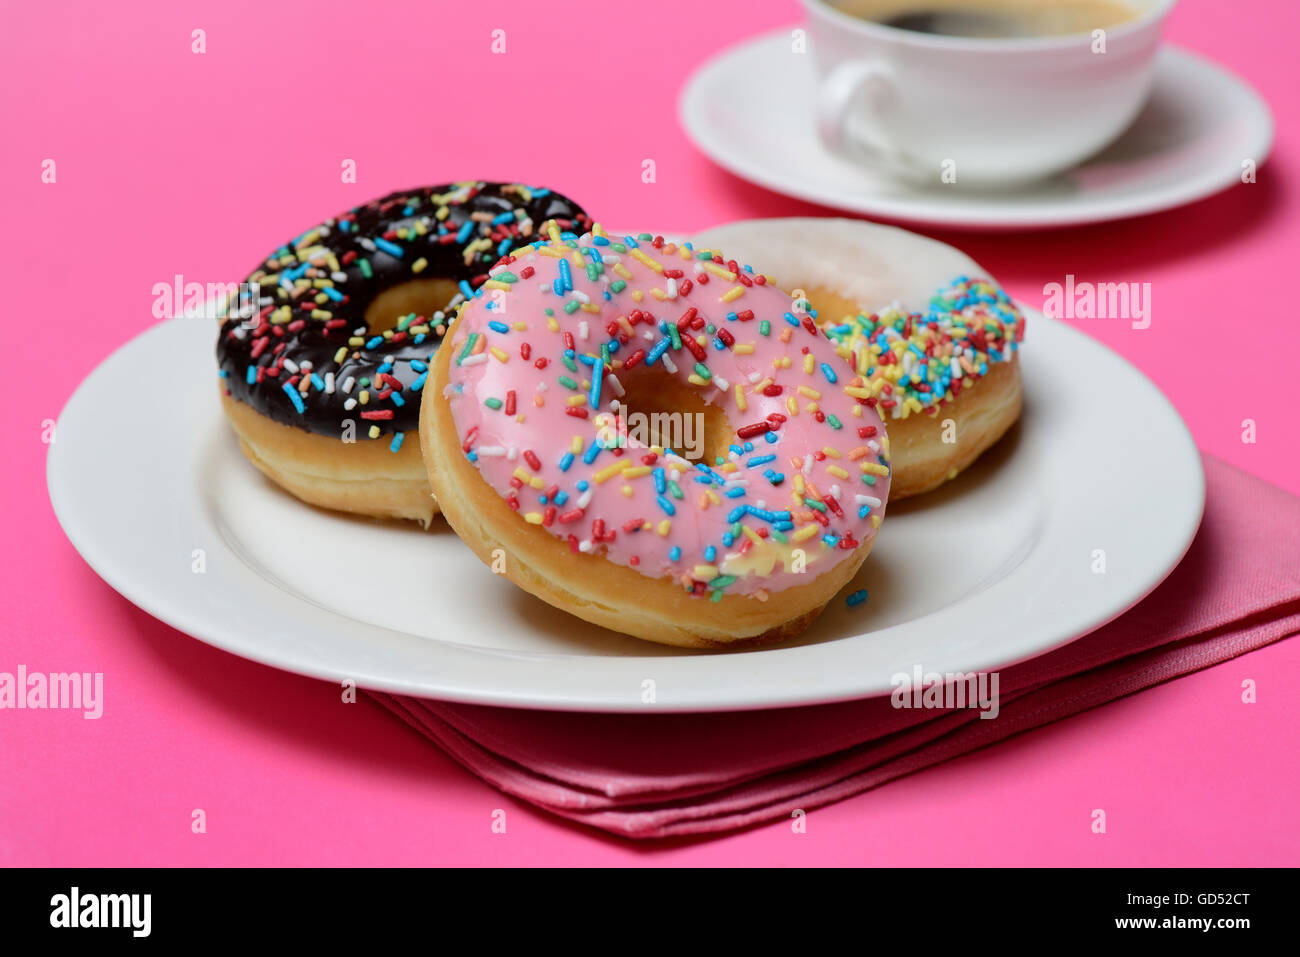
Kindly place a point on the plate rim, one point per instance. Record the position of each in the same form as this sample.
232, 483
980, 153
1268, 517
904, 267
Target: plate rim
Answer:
987, 215
154, 600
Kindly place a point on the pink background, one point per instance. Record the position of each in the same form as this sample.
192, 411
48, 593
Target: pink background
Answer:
170, 162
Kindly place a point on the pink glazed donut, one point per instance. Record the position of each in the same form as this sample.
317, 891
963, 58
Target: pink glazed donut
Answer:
654, 439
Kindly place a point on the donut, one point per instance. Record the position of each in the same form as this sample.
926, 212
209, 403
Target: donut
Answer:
324, 350
654, 439
937, 340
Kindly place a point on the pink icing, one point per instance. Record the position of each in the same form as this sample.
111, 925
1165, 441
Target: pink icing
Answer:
520, 411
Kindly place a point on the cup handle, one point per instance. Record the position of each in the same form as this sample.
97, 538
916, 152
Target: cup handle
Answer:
863, 81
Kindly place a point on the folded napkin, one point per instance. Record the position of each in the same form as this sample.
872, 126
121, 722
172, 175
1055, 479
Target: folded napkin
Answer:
653, 776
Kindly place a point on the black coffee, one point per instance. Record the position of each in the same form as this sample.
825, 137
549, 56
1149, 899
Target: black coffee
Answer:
993, 19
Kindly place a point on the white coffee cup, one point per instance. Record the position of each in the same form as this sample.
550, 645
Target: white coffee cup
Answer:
943, 109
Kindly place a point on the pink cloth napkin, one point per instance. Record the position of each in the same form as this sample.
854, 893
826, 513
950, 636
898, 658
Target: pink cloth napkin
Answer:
653, 776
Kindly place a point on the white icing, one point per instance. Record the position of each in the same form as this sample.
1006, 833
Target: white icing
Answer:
872, 265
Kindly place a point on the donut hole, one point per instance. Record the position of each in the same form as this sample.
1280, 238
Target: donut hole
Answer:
423, 297
831, 306
663, 411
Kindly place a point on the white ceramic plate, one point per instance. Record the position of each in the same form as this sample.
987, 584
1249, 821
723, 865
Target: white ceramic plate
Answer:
993, 569
749, 109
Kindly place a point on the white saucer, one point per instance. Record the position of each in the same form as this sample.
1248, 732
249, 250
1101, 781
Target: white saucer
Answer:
749, 110
995, 568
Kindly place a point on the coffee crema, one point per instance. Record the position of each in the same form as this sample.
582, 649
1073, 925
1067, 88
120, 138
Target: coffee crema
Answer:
993, 19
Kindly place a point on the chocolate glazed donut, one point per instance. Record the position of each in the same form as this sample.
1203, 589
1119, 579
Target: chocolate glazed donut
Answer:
325, 350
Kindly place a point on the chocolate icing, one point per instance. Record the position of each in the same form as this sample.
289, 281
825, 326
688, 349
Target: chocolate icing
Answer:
314, 290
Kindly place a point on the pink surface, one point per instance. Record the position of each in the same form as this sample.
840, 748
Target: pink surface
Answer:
172, 162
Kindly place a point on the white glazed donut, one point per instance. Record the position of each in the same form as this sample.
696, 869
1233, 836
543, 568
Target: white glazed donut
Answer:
921, 321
